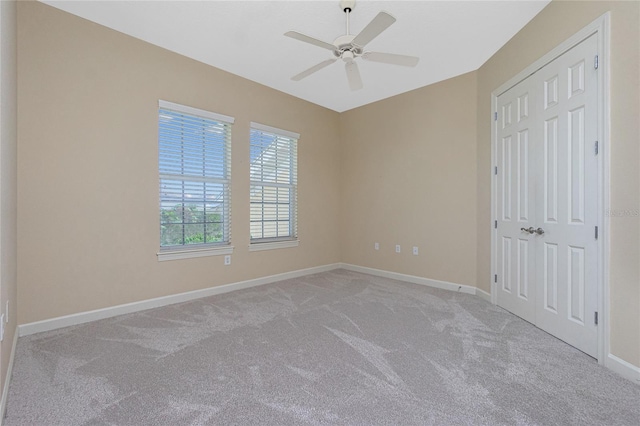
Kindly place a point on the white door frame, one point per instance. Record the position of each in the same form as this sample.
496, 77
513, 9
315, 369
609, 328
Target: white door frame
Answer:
601, 27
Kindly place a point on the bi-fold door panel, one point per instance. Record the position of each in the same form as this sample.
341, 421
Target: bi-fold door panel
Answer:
567, 282
516, 201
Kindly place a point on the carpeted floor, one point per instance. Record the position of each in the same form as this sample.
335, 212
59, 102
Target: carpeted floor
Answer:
332, 348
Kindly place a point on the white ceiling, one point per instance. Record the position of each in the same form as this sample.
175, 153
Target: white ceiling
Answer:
246, 39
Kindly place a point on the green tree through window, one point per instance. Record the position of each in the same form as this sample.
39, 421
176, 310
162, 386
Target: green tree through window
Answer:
194, 164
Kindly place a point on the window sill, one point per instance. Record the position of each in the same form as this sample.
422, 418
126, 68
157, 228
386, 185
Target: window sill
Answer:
273, 245
191, 253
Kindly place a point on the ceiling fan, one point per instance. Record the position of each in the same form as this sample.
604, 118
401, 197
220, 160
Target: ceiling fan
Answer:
348, 47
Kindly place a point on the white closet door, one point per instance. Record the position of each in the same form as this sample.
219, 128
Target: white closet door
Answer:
547, 198
566, 282
516, 200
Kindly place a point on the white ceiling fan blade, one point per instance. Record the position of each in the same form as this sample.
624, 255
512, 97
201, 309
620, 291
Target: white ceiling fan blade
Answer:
313, 69
310, 40
391, 58
353, 75
381, 22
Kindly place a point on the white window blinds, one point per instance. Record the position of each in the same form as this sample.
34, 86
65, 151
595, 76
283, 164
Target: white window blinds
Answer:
194, 162
273, 175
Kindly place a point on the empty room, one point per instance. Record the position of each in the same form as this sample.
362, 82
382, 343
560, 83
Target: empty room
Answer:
319, 212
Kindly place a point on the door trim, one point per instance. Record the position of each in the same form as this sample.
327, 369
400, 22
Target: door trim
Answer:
600, 27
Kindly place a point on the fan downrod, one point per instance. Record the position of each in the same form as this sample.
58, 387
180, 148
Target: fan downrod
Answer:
343, 43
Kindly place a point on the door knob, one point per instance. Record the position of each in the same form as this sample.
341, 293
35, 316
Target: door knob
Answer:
530, 230
539, 231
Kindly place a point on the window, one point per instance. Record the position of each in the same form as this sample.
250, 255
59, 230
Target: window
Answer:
194, 149
273, 168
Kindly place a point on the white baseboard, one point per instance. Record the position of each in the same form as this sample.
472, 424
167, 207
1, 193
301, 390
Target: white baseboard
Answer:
445, 285
98, 314
7, 379
623, 368
483, 295
411, 278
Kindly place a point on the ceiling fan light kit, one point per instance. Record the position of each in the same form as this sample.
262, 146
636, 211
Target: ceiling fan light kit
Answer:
349, 47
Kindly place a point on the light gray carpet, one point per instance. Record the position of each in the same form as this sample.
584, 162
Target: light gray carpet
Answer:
331, 348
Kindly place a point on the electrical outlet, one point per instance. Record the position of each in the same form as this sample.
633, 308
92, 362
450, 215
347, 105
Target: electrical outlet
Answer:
376, 246
227, 259
397, 248
415, 251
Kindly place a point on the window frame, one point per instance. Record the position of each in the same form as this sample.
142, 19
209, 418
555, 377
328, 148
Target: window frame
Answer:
184, 251
291, 240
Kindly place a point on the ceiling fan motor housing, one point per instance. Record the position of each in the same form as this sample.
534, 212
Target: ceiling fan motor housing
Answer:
343, 44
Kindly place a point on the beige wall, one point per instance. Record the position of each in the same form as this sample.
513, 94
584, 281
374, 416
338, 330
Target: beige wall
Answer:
552, 26
8, 197
88, 176
409, 170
